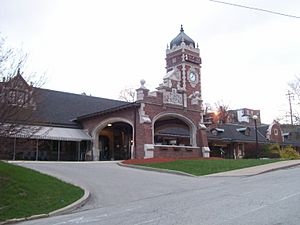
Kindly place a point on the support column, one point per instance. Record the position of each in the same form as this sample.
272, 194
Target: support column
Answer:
37, 150
78, 150
14, 153
203, 141
95, 152
58, 151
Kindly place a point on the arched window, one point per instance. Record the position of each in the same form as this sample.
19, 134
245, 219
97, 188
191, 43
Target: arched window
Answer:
170, 130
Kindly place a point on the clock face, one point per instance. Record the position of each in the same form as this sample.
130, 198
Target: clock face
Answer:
192, 76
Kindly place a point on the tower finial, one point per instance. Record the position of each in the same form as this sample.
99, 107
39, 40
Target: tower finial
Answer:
19, 71
181, 28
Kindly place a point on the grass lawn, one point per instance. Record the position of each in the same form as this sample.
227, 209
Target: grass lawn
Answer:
204, 167
24, 192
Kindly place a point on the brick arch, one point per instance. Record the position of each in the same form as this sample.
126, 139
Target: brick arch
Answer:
187, 121
96, 131
274, 133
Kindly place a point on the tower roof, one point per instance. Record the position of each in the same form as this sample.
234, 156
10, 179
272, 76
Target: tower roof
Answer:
182, 37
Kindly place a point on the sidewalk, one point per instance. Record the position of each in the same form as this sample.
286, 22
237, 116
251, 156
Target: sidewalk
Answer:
250, 171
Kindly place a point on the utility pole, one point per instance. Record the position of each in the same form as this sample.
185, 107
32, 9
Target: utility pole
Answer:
290, 97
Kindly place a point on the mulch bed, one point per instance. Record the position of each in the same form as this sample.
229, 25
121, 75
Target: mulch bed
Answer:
159, 160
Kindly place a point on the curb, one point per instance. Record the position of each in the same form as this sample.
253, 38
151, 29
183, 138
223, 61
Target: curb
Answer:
208, 175
156, 169
75, 205
279, 168
249, 174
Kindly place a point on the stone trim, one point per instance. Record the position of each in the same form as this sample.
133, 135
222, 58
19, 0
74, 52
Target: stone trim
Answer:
143, 117
101, 126
148, 149
192, 126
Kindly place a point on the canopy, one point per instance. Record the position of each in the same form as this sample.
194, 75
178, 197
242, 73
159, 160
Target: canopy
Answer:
52, 133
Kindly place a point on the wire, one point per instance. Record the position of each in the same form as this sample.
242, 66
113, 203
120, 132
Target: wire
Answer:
254, 8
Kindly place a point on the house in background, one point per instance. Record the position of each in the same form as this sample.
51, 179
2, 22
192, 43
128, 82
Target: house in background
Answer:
291, 134
165, 123
237, 116
244, 116
237, 138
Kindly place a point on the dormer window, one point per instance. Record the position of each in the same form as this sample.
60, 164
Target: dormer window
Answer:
247, 131
216, 131
286, 136
244, 130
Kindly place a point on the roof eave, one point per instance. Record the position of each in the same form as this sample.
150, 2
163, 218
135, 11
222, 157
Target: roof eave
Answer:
110, 110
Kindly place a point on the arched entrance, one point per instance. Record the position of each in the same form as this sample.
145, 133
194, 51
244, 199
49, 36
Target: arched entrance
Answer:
113, 140
173, 129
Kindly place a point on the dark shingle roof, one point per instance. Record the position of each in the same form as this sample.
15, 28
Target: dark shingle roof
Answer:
61, 108
293, 132
231, 133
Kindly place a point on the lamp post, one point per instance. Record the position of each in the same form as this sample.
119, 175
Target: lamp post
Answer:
254, 117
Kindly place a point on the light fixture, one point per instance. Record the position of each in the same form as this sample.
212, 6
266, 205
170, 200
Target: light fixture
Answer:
255, 117
109, 125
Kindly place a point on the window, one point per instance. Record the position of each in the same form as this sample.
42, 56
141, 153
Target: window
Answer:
169, 130
244, 130
17, 97
12, 96
276, 132
247, 131
214, 132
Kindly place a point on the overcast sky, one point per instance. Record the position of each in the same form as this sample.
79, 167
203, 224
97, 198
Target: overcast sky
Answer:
102, 47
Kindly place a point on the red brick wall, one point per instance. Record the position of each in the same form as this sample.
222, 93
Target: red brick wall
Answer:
176, 152
91, 123
276, 133
154, 106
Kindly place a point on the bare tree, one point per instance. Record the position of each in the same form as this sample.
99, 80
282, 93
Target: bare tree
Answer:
295, 86
295, 93
222, 112
127, 95
17, 96
10, 60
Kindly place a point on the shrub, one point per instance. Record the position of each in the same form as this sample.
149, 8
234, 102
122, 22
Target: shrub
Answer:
270, 151
289, 153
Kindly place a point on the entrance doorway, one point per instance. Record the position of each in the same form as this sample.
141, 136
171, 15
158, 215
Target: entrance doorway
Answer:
115, 141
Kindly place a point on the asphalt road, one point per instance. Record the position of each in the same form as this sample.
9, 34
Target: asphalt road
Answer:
128, 196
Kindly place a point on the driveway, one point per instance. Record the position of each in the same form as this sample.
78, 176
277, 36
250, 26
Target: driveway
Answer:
122, 195
110, 184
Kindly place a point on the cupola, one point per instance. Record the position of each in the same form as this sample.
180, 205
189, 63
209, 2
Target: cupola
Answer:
182, 37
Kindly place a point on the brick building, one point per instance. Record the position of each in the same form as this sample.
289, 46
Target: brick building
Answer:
239, 140
167, 122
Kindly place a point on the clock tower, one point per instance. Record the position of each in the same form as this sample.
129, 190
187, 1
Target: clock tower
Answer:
183, 64
183, 57
172, 117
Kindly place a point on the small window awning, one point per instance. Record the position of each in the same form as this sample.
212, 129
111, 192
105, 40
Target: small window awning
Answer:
52, 133
173, 132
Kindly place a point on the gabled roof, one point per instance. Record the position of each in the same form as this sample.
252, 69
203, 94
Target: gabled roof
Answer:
57, 108
235, 133
61, 108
